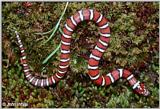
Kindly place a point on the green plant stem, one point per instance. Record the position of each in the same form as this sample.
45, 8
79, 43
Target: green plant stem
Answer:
50, 55
44, 33
57, 25
60, 30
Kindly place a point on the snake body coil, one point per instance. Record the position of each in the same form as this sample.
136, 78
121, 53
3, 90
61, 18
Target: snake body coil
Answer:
95, 56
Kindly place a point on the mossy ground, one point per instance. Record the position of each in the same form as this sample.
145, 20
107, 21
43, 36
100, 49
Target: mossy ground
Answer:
134, 45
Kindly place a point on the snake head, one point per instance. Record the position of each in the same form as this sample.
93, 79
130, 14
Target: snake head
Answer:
141, 90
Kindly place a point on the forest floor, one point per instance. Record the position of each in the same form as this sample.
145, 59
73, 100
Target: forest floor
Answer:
134, 45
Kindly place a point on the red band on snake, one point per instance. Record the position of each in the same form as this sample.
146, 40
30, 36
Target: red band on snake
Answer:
95, 56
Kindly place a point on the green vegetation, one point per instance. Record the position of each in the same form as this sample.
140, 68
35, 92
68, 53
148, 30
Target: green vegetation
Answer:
133, 45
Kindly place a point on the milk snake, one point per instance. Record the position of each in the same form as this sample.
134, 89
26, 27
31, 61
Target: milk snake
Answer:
95, 56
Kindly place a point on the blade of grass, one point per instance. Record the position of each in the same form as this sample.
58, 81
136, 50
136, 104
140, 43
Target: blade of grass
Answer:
60, 30
57, 25
55, 29
50, 55
44, 33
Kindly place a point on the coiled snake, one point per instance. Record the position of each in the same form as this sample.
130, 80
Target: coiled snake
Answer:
95, 56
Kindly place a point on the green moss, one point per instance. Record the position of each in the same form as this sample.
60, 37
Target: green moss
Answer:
134, 45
